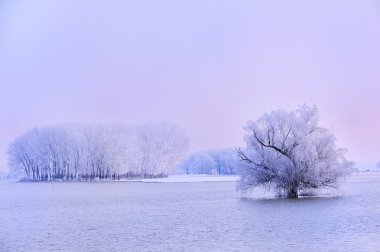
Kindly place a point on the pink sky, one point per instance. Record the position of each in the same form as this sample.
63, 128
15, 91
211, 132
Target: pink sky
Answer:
209, 66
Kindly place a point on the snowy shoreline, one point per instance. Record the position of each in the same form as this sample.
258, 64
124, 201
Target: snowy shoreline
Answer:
186, 179
192, 178
177, 178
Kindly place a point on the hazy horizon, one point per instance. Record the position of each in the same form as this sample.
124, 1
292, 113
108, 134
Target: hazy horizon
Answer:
209, 66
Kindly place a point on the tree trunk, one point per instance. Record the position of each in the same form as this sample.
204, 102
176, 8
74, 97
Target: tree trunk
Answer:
293, 192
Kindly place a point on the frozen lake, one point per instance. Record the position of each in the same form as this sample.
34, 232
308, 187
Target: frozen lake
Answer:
204, 216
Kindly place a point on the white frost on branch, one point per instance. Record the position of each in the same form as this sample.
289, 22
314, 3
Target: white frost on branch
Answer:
289, 151
88, 152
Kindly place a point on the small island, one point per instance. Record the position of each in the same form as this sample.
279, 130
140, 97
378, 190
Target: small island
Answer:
87, 152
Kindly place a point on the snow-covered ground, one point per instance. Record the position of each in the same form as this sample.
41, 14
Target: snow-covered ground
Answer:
188, 179
183, 178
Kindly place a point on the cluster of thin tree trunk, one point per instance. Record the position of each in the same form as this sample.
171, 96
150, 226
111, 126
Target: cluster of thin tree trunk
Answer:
96, 152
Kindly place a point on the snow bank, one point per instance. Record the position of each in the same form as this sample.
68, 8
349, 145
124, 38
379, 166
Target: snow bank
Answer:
187, 179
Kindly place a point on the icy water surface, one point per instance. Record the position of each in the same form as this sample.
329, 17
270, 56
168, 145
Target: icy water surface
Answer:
204, 216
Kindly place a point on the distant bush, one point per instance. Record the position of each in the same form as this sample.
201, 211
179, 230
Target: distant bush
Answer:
223, 161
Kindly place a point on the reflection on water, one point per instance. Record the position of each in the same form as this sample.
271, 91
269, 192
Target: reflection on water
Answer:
185, 216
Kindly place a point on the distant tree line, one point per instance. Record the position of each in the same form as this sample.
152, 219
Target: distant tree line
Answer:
94, 152
223, 161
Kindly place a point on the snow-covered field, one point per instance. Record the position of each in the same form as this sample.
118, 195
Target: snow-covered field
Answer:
187, 179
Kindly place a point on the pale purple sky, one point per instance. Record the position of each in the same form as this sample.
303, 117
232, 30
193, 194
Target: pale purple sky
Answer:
209, 66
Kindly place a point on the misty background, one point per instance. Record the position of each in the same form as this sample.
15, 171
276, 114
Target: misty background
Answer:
209, 66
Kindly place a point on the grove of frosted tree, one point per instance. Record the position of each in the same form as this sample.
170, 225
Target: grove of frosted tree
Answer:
90, 152
288, 151
223, 161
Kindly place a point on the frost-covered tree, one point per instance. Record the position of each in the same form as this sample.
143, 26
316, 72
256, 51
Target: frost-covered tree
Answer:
88, 152
223, 161
159, 146
198, 163
290, 152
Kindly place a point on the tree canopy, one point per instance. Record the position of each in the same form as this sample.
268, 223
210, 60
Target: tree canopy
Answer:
290, 152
